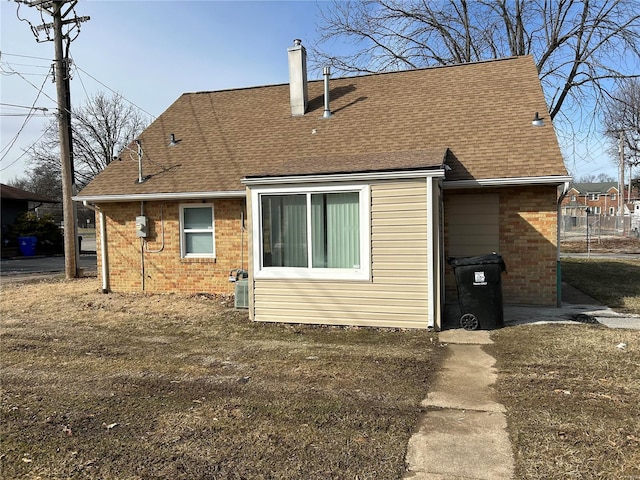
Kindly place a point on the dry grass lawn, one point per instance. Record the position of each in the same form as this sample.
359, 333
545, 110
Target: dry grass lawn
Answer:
613, 282
572, 397
572, 391
176, 387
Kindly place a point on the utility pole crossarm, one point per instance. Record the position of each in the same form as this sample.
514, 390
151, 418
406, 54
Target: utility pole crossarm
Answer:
76, 20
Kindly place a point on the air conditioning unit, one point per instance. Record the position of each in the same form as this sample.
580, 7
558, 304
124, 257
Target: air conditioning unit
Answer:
242, 294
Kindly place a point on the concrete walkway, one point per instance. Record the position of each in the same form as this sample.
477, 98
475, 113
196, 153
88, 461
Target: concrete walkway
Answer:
463, 434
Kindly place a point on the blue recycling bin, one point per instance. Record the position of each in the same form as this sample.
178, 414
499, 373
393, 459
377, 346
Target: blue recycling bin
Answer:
27, 246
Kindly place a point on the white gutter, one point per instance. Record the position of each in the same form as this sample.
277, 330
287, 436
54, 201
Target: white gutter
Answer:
507, 182
103, 247
338, 177
141, 197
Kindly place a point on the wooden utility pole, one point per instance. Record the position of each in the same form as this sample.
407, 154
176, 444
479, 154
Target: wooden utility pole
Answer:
62, 75
64, 120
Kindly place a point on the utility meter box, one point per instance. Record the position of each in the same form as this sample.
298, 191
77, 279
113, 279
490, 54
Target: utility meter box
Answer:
141, 226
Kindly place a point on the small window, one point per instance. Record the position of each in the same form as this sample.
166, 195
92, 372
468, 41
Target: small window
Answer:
594, 196
614, 196
573, 198
596, 210
197, 236
612, 210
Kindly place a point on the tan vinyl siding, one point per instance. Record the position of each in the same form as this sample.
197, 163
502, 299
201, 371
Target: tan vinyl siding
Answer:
396, 295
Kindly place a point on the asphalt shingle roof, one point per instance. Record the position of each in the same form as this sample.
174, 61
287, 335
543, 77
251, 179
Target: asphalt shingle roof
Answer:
477, 117
598, 187
7, 192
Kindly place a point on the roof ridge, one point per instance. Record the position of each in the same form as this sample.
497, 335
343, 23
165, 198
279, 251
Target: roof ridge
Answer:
370, 74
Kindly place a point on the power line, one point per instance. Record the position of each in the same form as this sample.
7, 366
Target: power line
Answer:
60, 108
32, 115
114, 92
40, 89
26, 74
24, 106
24, 56
10, 145
24, 153
80, 78
31, 65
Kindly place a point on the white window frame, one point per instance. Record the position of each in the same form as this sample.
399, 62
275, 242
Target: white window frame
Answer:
594, 197
183, 231
596, 210
363, 273
612, 210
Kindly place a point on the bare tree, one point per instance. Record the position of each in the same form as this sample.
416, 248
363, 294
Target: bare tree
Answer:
102, 127
622, 120
44, 179
578, 46
599, 178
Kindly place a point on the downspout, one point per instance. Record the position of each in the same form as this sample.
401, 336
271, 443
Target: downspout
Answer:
565, 190
242, 240
142, 249
431, 291
103, 246
441, 259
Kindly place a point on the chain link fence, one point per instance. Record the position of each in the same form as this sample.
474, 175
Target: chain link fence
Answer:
597, 227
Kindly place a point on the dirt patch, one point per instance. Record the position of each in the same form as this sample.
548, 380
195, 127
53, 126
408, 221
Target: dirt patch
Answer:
180, 387
626, 245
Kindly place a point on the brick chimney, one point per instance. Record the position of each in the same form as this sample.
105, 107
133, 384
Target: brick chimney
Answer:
298, 78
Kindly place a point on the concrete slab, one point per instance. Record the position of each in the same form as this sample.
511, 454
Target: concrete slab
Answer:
460, 444
525, 314
461, 336
465, 380
463, 434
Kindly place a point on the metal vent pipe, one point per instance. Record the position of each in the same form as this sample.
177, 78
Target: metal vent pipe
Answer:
326, 71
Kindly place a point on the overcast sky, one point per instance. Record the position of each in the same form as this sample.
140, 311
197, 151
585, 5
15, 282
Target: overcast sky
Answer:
151, 52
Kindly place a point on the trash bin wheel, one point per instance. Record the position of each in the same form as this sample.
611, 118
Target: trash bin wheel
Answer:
469, 321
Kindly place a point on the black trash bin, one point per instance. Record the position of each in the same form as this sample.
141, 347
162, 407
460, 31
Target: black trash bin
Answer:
479, 283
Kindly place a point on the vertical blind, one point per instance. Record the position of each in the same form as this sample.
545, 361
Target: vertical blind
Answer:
335, 230
284, 220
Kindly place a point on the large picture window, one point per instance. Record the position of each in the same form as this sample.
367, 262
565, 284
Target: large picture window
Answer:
314, 234
197, 231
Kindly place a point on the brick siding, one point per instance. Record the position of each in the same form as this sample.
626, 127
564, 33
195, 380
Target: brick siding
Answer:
528, 244
164, 269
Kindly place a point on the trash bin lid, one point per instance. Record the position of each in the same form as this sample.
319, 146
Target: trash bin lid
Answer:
489, 259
